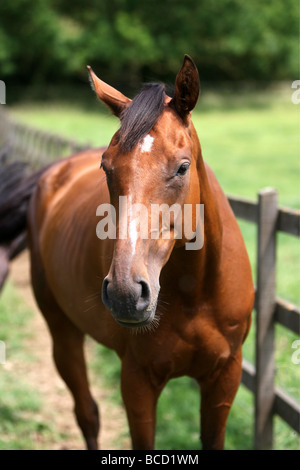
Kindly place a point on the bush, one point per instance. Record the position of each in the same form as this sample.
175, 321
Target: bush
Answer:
134, 41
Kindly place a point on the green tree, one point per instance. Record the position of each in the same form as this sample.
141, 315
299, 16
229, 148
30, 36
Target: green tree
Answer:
30, 39
132, 41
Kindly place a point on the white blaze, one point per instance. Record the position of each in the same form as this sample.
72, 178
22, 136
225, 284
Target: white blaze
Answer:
137, 222
147, 143
132, 228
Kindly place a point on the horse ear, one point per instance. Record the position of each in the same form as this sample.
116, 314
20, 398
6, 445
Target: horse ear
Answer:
187, 88
115, 100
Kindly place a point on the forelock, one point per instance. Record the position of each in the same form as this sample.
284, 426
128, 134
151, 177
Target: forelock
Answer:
139, 117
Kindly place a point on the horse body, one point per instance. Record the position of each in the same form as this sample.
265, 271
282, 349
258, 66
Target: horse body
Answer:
174, 312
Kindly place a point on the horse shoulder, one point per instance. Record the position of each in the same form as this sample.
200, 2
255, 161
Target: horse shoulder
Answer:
235, 291
54, 183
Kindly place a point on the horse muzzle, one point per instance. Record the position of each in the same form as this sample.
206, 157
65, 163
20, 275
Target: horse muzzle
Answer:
131, 303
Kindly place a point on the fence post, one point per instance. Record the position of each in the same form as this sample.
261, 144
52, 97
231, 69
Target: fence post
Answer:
265, 306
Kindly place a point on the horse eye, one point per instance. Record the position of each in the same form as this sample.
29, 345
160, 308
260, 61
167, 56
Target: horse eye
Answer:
107, 171
183, 169
104, 166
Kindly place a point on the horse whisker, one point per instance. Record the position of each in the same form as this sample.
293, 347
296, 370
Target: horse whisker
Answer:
90, 308
91, 297
151, 327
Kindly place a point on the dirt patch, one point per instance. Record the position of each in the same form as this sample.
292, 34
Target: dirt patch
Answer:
43, 376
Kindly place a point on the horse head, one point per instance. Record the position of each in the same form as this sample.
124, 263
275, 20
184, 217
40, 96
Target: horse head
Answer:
151, 168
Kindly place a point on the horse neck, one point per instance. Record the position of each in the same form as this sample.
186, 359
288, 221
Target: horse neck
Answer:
213, 229
202, 264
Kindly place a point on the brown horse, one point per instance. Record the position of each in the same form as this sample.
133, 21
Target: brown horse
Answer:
167, 310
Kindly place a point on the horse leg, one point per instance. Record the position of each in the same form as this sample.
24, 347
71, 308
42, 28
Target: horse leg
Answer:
68, 353
217, 395
140, 398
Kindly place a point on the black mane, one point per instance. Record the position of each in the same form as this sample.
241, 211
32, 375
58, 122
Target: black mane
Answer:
138, 119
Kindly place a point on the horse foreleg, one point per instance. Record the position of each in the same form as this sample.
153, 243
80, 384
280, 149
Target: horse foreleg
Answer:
68, 350
140, 398
217, 396
70, 362
68, 355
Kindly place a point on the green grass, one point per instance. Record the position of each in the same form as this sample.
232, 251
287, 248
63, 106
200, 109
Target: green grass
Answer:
94, 126
13, 317
20, 403
178, 413
254, 143
251, 140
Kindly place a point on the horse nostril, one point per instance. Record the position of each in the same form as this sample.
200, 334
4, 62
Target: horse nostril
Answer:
105, 297
132, 298
144, 297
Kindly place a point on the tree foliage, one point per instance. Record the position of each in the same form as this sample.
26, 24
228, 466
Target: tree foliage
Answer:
130, 40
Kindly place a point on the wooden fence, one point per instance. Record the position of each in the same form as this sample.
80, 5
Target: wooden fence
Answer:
38, 148
269, 399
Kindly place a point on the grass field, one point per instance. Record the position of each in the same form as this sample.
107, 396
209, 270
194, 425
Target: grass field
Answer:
251, 140
20, 403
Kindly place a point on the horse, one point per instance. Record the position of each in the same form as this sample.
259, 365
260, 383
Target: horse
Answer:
167, 307
13, 209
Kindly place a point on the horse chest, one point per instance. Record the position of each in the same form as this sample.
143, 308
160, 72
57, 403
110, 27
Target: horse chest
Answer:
195, 351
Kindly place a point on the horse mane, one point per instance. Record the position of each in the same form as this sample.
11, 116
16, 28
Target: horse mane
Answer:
139, 117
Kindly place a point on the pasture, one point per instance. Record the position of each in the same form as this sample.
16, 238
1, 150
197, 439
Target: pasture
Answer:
251, 140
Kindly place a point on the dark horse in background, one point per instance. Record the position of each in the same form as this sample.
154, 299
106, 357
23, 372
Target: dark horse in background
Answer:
166, 311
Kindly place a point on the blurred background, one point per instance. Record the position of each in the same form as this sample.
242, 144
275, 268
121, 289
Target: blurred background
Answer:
247, 54
47, 42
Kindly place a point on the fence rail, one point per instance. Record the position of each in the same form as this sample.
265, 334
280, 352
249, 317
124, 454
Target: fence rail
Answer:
38, 148
269, 399
33, 145
288, 220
